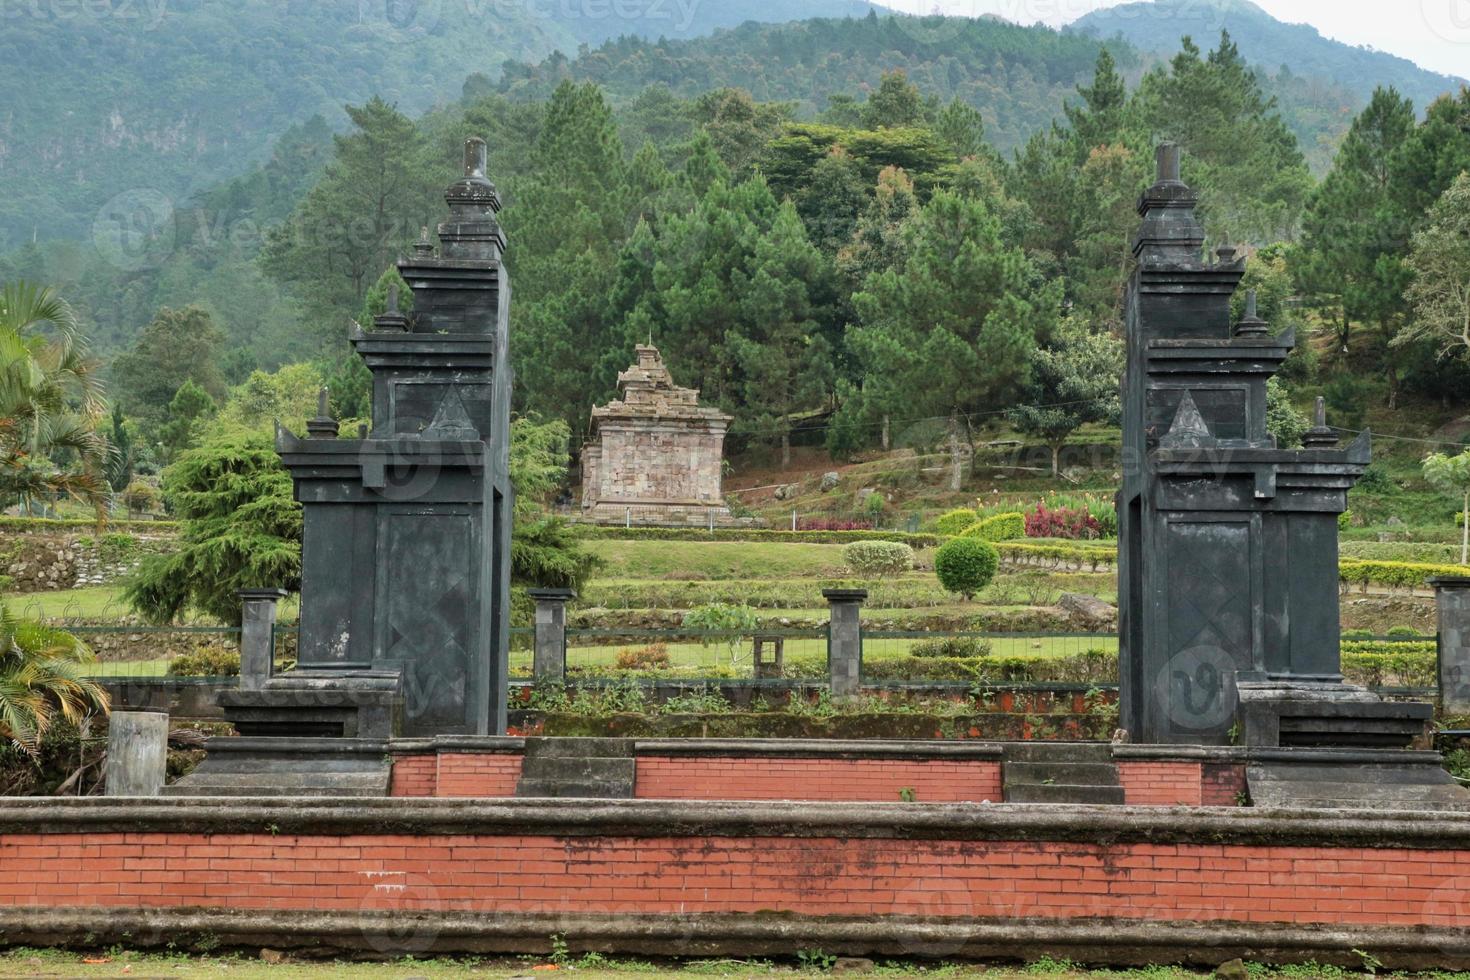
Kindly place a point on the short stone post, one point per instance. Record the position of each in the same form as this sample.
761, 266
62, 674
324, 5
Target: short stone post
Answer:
1452, 597
257, 636
137, 752
845, 640
549, 664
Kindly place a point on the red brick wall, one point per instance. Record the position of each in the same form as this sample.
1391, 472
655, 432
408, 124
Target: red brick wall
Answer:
821, 875
777, 778
414, 775
1221, 783
456, 774
1154, 783
478, 774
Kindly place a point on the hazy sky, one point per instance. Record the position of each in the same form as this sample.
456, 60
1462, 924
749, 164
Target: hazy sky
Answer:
1432, 33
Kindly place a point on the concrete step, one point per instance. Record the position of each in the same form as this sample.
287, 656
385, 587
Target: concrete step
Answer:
1078, 773
275, 764
319, 783
574, 789
560, 748
1381, 786
1061, 793
579, 769
1095, 752
274, 790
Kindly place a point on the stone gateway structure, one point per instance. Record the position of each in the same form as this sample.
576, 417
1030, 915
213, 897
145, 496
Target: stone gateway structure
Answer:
656, 454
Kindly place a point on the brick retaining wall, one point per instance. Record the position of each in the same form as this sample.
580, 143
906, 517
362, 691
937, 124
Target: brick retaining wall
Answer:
1116, 884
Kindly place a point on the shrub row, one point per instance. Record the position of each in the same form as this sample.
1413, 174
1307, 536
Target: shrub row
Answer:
751, 534
1052, 554
1001, 527
1374, 664
31, 525
1395, 574
761, 593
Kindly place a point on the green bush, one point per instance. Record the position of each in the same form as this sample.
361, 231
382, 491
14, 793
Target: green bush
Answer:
1395, 574
878, 558
954, 522
214, 660
966, 565
959, 647
1001, 527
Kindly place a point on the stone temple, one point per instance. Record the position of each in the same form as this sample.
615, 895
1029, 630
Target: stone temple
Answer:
656, 454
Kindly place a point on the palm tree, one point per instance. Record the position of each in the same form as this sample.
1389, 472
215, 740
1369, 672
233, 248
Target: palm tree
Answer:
42, 675
50, 400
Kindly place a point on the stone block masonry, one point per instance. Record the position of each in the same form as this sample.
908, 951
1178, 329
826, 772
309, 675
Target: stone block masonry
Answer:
394, 877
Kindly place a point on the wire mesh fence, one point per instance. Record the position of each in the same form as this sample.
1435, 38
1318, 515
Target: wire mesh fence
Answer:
758, 654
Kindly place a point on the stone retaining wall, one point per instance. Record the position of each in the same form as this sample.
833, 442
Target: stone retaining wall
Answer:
42, 561
398, 877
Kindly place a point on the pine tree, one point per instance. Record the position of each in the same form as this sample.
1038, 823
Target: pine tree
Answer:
950, 331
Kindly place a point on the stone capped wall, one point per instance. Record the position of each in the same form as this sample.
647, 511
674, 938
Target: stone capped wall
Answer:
396, 877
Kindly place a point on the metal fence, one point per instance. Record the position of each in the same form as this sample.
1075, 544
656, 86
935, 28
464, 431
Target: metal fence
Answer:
752, 654
890, 658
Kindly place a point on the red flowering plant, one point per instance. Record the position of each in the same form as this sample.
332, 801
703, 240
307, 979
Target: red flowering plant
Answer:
1062, 522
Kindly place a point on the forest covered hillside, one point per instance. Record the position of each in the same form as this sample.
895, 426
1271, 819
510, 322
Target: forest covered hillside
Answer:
159, 99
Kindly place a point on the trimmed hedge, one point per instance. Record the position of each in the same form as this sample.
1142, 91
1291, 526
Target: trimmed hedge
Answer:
30, 525
954, 522
1395, 574
1051, 554
1001, 527
908, 593
750, 534
880, 558
1370, 663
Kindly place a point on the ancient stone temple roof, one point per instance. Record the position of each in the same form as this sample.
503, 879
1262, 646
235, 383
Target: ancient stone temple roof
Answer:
648, 391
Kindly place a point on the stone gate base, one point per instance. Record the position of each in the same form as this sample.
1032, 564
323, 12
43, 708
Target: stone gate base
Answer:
393, 877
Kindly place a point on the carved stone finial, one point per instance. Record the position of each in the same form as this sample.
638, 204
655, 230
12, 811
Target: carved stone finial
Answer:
323, 426
1166, 157
392, 318
476, 157
1320, 435
1225, 253
1251, 325
423, 247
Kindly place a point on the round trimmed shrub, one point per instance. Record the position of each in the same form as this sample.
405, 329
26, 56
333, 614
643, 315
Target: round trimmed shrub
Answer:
878, 557
966, 565
1000, 527
954, 521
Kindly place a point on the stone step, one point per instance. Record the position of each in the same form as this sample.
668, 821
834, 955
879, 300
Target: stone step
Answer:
1076, 773
1062, 793
1097, 752
246, 764
605, 748
316, 783
1376, 786
579, 769
275, 790
574, 789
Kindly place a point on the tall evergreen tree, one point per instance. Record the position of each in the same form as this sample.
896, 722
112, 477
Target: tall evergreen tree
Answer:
950, 331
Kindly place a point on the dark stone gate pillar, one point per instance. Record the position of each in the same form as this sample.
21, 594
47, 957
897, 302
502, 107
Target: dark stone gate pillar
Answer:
550, 658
